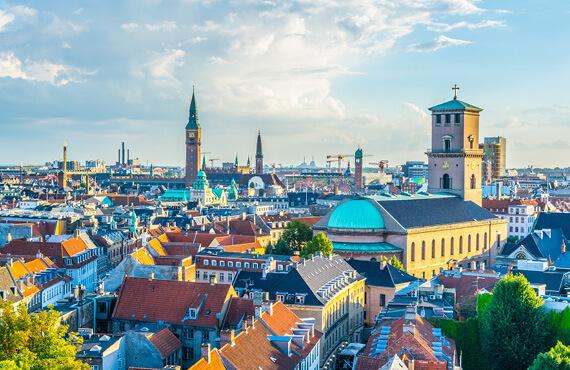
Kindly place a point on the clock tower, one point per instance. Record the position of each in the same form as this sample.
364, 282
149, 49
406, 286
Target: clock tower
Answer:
193, 143
455, 160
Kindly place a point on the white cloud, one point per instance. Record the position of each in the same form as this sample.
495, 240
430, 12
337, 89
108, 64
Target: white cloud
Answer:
444, 27
5, 19
165, 26
42, 71
438, 43
129, 26
23, 11
161, 70
63, 27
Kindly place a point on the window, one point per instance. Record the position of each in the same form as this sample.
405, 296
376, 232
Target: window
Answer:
206, 262
447, 119
442, 247
300, 299
230, 277
222, 263
413, 252
423, 250
230, 263
255, 265
433, 248
461, 245
279, 267
382, 300
447, 145
438, 119
469, 244
205, 275
485, 241
280, 297
246, 265
473, 181
238, 265
451, 247
214, 263
221, 277
457, 119
477, 242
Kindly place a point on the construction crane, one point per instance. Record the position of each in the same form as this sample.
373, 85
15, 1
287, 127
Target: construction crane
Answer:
381, 164
338, 158
211, 160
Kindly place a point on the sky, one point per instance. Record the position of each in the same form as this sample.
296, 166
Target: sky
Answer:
317, 77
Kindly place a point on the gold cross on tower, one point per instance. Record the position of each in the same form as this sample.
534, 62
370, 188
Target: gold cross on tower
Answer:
455, 88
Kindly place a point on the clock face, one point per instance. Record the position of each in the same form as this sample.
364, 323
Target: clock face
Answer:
191, 135
473, 165
446, 165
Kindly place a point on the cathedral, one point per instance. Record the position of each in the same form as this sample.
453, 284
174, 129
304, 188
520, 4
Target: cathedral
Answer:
441, 229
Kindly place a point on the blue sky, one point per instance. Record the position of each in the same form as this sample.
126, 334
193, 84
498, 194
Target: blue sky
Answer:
315, 76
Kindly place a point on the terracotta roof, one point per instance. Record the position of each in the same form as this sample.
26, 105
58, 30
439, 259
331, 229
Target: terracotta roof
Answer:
238, 310
215, 362
309, 221
73, 246
165, 342
145, 300
466, 285
143, 256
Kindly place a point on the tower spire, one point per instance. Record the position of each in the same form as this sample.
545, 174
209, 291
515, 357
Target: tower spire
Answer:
259, 155
194, 117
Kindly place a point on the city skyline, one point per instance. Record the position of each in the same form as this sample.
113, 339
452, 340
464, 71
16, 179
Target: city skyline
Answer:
315, 77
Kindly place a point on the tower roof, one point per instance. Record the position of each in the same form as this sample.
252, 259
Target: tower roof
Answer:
259, 152
194, 118
455, 104
358, 153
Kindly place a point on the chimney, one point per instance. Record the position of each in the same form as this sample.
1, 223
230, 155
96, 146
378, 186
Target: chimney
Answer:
227, 337
205, 351
473, 265
410, 314
151, 276
251, 322
563, 247
245, 325
267, 307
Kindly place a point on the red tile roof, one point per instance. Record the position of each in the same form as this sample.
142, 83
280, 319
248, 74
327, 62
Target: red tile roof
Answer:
145, 300
238, 310
165, 342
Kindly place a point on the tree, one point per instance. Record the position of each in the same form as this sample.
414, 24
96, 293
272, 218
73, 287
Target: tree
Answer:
514, 328
36, 341
558, 358
280, 248
394, 261
296, 234
320, 243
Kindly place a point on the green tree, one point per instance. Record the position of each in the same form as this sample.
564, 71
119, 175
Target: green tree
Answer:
514, 328
558, 358
280, 248
296, 235
394, 261
36, 341
319, 243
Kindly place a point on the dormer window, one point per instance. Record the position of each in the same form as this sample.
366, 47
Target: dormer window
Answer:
280, 297
300, 299
214, 263
246, 265
206, 262
222, 263
238, 265
255, 265
192, 314
230, 264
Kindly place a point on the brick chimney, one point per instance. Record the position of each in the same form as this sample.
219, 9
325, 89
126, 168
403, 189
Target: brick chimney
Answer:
227, 337
251, 322
205, 351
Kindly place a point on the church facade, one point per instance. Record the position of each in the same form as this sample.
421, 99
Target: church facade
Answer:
441, 229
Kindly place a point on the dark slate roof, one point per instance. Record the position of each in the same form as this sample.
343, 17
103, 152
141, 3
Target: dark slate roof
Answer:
290, 282
388, 276
225, 179
547, 220
437, 211
553, 279
508, 248
563, 261
547, 246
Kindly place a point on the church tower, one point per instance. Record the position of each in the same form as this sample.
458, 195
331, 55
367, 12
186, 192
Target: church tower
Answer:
193, 142
258, 155
455, 159
358, 183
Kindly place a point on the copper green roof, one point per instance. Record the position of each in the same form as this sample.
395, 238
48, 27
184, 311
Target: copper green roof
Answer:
201, 181
360, 213
455, 104
193, 118
365, 247
358, 153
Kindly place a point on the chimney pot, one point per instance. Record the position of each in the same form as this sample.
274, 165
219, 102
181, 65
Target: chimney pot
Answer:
205, 351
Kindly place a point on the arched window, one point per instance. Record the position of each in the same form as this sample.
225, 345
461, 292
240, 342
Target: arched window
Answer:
442, 247
433, 248
446, 182
423, 250
477, 242
461, 244
469, 244
498, 241
447, 143
451, 247
521, 256
473, 181
485, 241
413, 252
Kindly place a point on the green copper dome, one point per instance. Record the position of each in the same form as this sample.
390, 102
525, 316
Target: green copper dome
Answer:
356, 214
201, 182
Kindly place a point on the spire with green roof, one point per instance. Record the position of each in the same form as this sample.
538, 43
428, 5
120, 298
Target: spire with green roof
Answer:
194, 118
455, 104
201, 182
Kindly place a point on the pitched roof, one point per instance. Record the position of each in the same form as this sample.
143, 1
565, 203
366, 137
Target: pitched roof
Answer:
165, 342
455, 104
548, 220
552, 279
145, 300
437, 211
215, 363
238, 310
375, 275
